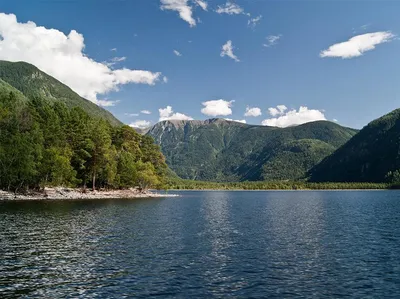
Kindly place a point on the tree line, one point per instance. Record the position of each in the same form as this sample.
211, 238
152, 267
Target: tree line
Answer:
178, 184
45, 143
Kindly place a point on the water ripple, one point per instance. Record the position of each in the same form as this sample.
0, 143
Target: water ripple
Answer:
204, 245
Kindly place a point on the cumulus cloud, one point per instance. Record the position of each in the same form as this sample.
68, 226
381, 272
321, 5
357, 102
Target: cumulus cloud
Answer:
168, 114
217, 107
141, 124
62, 57
227, 50
229, 8
252, 22
358, 45
177, 53
243, 121
131, 114
165, 79
293, 117
272, 40
182, 7
254, 112
279, 110
145, 112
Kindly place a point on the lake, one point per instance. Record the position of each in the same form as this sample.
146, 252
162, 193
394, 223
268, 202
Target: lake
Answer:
204, 245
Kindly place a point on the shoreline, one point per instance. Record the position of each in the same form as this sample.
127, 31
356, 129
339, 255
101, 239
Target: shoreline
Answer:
76, 194
291, 190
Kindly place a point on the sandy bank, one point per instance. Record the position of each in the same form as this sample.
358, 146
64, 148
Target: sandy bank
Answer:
69, 193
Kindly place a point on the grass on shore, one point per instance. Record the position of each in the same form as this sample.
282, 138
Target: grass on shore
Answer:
273, 185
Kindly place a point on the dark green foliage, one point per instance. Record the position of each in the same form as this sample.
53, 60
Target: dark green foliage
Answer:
45, 143
220, 150
32, 82
393, 177
179, 184
303, 154
373, 155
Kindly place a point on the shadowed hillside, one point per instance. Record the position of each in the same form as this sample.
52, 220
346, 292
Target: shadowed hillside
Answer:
368, 157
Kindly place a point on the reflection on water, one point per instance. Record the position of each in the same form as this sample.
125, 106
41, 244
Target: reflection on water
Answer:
204, 244
220, 233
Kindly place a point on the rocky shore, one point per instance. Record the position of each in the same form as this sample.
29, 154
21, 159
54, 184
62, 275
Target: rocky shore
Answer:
70, 193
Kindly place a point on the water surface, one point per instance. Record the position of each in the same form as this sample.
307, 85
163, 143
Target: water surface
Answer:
204, 245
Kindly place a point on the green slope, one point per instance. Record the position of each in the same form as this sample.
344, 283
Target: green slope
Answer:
32, 82
367, 157
6, 89
220, 150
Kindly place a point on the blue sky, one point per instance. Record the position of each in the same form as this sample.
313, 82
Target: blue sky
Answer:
289, 73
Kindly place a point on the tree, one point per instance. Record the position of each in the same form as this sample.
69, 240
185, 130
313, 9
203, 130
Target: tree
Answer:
56, 169
393, 177
100, 147
146, 176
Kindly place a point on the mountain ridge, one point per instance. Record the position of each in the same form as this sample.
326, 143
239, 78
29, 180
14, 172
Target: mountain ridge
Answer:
223, 150
33, 82
369, 156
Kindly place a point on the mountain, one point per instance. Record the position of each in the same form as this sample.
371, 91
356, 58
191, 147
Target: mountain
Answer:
221, 150
32, 82
367, 157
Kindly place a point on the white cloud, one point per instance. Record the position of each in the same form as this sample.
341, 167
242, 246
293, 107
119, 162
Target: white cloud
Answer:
177, 53
165, 79
227, 50
106, 103
254, 112
272, 40
252, 23
131, 114
62, 56
293, 117
217, 107
357, 45
279, 110
118, 59
114, 61
243, 121
113, 49
141, 124
202, 4
229, 8
182, 7
335, 120
168, 114
145, 112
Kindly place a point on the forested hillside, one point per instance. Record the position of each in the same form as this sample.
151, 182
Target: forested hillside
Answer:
46, 143
373, 155
221, 150
32, 82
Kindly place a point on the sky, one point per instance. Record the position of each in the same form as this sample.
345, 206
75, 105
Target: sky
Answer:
264, 62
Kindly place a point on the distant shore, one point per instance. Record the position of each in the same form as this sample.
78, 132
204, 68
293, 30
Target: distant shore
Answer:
276, 185
72, 194
281, 190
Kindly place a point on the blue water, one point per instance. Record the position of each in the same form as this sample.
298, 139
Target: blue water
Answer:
204, 245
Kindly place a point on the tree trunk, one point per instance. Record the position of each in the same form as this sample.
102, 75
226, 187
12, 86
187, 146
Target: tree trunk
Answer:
94, 181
